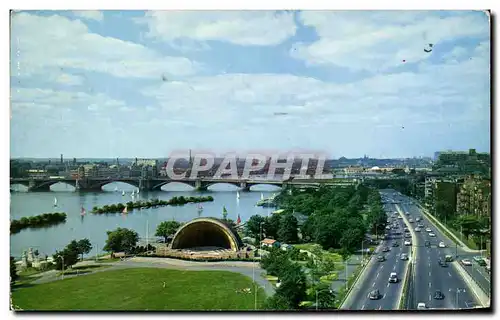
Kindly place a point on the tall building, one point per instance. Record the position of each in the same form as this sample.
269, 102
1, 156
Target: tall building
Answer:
474, 197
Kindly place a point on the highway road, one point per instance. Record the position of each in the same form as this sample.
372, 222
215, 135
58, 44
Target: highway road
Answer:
376, 275
429, 276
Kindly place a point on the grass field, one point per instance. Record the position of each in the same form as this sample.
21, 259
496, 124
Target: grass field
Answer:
142, 289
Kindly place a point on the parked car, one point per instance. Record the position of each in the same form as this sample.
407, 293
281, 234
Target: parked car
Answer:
466, 262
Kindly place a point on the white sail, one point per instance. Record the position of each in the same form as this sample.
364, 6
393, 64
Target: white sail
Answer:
261, 196
237, 194
123, 193
133, 193
137, 191
116, 189
55, 202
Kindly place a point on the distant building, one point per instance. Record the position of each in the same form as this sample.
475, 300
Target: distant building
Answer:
474, 197
270, 243
354, 169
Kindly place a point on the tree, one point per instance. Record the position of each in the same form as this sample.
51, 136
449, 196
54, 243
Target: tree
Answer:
275, 262
121, 239
167, 228
322, 294
288, 229
68, 256
84, 246
277, 302
351, 239
293, 285
13, 271
272, 225
253, 226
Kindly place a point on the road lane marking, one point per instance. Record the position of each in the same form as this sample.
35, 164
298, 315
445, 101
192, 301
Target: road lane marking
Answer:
449, 274
380, 307
377, 275
383, 296
394, 268
373, 285
388, 284
382, 267
430, 297
429, 273
429, 264
363, 307
429, 284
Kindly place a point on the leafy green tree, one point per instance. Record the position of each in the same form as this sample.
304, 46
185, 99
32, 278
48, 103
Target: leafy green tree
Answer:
293, 285
277, 303
324, 295
253, 226
272, 225
84, 246
13, 271
167, 228
287, 232
276, 262
67, 257
351, 239
121, 239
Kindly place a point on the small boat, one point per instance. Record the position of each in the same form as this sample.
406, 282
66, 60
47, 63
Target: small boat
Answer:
55, 202
200, 207
125, 211
116, 189
261, 196
123, 193
237, 194
83, 212
137, 191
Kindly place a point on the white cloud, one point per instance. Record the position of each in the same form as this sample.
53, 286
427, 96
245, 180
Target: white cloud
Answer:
89, 14
69, 79
259, 28
377, 41
58, 42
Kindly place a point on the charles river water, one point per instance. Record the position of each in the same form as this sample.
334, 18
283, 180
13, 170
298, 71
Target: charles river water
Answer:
144, 222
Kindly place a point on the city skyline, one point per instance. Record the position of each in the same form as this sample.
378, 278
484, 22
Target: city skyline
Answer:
115, 84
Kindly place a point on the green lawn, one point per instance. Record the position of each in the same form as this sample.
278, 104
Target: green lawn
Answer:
142, 289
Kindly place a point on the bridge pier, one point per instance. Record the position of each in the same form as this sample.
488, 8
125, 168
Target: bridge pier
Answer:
200, 186
244, 186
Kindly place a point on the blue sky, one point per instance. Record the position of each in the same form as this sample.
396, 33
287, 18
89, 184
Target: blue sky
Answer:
145, 84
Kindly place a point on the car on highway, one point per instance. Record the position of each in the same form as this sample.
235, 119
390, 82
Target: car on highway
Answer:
432, 234
393, 277
442, 263
466, 262
395, 244
417, 219
374, 295
420, 225
417, 229
448, 258
380, 258
482, 263
438, 295
407, 213
404, 256
407, 235
478, 258
386, 249
427, 243
388, 228
428, 230
421, 306
405, 229
407, 243
442, 244
400, 217
410, 220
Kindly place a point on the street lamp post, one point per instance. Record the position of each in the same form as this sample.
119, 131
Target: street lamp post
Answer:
62, 259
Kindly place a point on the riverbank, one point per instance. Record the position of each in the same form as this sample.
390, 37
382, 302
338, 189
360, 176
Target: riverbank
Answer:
131, 205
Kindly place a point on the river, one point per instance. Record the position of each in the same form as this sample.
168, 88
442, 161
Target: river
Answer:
144, 222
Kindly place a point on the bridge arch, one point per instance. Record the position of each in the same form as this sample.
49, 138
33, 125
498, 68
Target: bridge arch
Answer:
104, 183
206, 232
277, 186
159, 186
215, 183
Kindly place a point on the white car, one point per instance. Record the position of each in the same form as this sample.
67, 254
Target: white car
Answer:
407, 243
432, 234
428, 230
400, 217
466, 262
421, 306
417, 229
411, 220
442, 244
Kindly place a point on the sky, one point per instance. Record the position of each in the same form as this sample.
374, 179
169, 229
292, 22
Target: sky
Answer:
109, 84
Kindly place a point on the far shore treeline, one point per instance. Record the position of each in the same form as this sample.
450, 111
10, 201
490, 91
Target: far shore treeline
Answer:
42, 220
175, 201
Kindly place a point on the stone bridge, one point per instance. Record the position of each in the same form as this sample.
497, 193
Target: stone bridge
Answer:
95, 184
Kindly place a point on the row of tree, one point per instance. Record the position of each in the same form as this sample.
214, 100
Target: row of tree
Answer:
38, 221
71, 253
175, 201
282, 227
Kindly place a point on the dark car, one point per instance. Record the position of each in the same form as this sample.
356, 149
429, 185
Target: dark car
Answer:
395, 244
427, 243
442, 263
438, 295
374, 295
386, 249
380, 258
482, 263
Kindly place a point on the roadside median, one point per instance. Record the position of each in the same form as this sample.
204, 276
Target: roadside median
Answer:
413, 258
482, 298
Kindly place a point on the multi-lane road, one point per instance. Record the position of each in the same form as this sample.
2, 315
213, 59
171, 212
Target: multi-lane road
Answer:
428, 275
376, 274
